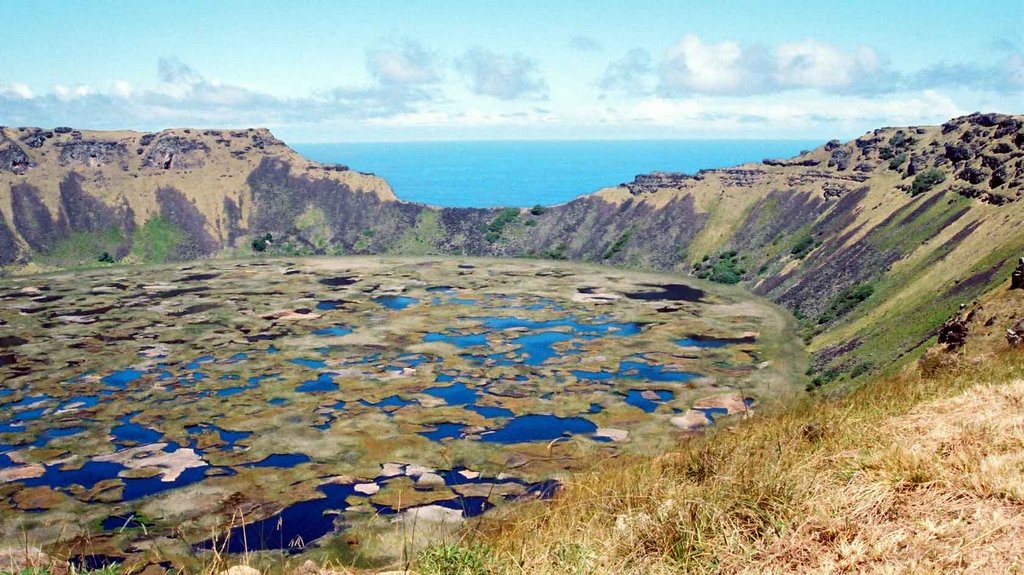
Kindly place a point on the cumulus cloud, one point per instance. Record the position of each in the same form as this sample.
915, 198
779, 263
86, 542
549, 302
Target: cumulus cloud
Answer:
502, 76
584, 44
20, 91
407, 63
693, 66
184, 96
630, 74
1005, 76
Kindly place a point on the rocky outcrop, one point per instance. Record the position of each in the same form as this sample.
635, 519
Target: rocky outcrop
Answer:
175, 153
93, 153
1017, 277
13, 158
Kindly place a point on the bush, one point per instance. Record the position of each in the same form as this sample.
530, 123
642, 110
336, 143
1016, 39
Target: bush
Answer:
497, 225
895, 163
804, 247
845, 301
260, 243
723, 268
926, 180
618, 245
538, 210
106, 258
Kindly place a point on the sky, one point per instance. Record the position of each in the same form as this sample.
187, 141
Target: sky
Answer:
338, 71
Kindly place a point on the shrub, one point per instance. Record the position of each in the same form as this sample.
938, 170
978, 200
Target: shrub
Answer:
803, 247
538, 210
505, 217
895, 163
723, 268
845, 301
260, 243
926, 180
618, 245
106, 258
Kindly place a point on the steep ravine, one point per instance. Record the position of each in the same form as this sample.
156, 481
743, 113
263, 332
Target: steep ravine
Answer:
872, 243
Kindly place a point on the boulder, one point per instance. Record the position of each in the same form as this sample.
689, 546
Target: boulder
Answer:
1017, 277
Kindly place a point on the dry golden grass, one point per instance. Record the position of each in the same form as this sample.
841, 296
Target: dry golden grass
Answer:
907, 475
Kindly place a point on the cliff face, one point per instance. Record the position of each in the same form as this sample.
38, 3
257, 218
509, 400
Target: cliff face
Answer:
67, 196
873, 243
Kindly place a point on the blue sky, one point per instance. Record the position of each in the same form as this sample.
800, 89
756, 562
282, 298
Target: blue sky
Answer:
383, 71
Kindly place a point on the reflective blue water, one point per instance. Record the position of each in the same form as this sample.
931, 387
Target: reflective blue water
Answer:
635, 398
337, 330
444, 431
323, 382
463, 341
525, 173
457, 394
395, 302
120, 379
490, 412
538, 428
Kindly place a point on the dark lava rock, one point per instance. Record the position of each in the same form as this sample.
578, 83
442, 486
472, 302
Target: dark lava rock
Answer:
832, 145
958, 153
973, 175
93, 153
13, 158
36, 138
62, 130
954, 332
1017, 277
999, 177
646, 183
839, 159
176, 152
834, 190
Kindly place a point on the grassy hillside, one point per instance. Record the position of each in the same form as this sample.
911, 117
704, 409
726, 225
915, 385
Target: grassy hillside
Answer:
909, 473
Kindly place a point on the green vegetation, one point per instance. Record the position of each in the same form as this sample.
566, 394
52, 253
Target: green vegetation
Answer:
538, 210
365, 240
156, 241
845, 301
723, 268
804, 246
506, 217
885, 153
557, 253
423, 238
926, 180
261, 243
895, 163
617, 245
84, 248
451, 559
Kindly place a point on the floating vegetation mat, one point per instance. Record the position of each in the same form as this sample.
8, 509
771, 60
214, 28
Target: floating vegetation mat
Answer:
153, 414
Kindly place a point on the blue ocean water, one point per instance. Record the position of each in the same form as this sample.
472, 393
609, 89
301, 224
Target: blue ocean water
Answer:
526, 173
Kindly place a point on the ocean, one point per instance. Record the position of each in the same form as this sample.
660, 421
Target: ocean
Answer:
526, 173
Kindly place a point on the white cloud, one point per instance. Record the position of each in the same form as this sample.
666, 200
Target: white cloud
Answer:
502, 76
121, 89
20, 91
693, 66
404, 64
813, 64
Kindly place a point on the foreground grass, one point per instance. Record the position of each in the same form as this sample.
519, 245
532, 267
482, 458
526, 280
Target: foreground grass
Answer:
908, 474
